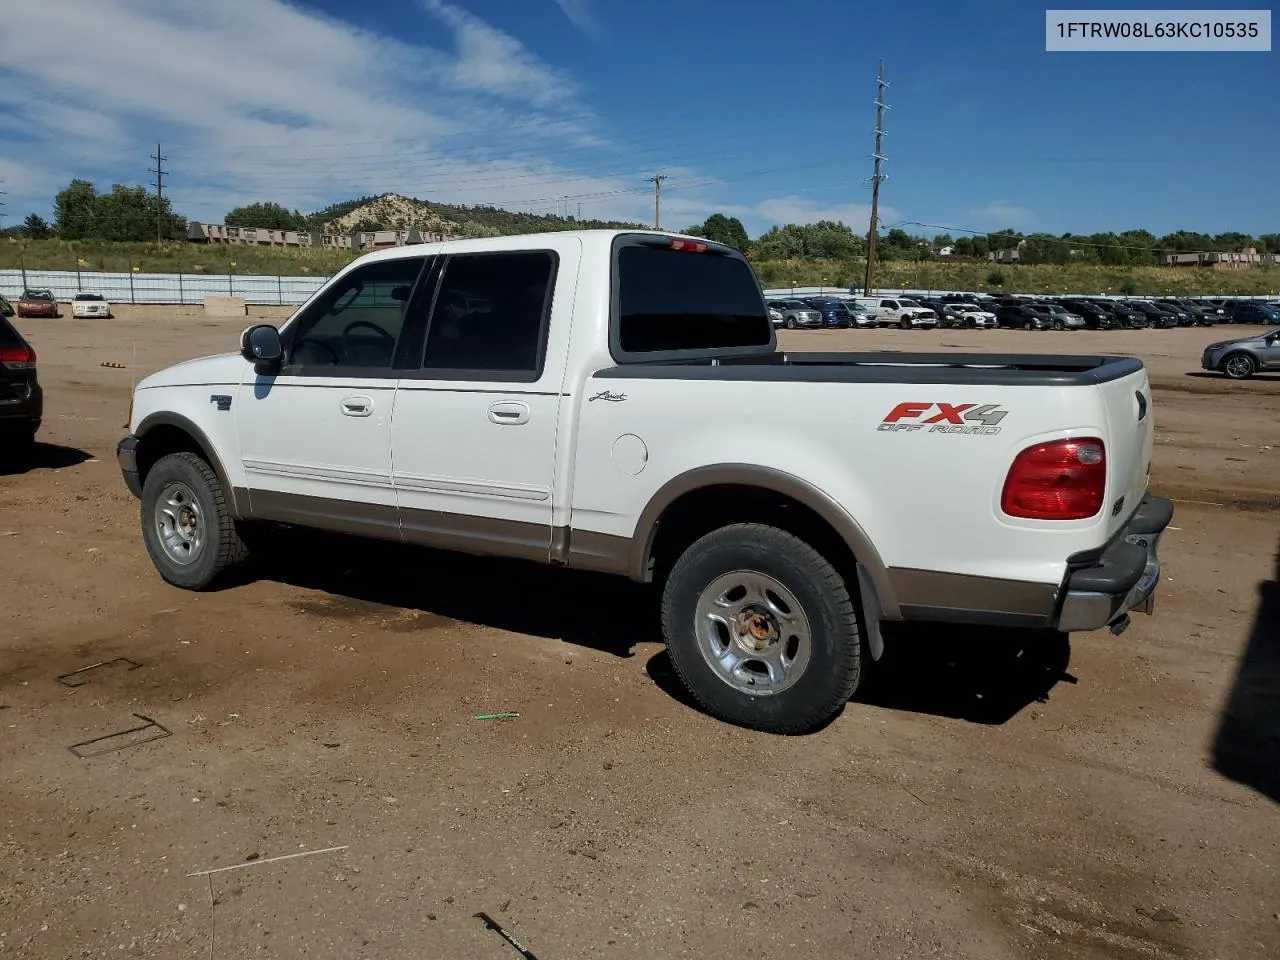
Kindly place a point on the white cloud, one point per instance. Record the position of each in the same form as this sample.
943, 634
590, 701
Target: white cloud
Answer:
1000, 214
260, 99
793, 209
580, 15
493, 62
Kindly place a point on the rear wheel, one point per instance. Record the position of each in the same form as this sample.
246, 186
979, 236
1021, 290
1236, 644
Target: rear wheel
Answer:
761, 629
186, 525
1238, 366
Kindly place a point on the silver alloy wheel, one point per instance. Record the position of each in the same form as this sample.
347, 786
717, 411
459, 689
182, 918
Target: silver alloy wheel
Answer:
752, 632
1238, 367
179, 523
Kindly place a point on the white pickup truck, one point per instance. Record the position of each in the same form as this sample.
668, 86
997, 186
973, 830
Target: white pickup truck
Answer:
616, 401
899, 311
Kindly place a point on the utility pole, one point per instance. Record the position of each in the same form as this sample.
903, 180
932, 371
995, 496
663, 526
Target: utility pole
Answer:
159, 185
656, 180
869, 285
2, 194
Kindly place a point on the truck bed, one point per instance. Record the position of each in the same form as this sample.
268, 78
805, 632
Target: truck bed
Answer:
888, 366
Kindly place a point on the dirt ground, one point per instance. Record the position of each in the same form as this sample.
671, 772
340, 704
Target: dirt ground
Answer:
988, 795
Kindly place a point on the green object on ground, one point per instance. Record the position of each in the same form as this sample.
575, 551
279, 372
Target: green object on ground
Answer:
496, 716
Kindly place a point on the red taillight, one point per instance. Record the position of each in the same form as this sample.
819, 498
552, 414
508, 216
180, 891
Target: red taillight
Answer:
692, 246
1061, 480
16, 355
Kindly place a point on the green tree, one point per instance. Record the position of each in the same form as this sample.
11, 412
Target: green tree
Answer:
727, 230
36, 227
1270, 242
73, 210
831, 240
129, 213
269, 215
1233, 241
781, 243
1184, 241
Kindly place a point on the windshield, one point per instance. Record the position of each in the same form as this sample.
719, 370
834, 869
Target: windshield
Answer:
88, 296
908, 303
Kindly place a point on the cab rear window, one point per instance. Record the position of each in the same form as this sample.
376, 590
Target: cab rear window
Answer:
673, 300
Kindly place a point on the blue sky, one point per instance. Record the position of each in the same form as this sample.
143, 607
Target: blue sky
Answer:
758, 109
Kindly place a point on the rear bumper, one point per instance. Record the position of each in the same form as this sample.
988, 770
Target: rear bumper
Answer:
127, 456
1100, 591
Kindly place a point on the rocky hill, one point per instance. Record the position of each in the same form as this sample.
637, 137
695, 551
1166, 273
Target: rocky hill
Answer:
391, 211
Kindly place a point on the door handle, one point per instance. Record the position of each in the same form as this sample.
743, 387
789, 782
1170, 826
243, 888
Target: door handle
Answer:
356, 406
509, 413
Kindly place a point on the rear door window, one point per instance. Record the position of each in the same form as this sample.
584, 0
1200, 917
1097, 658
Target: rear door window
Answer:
676, 301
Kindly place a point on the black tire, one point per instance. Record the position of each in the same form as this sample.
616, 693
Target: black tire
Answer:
791, 323
904, 323
1238, 366
1057, 325
833, 669
1029, 326
221, 547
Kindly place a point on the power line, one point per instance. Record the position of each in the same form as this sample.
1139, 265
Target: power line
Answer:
876, 177
158, 182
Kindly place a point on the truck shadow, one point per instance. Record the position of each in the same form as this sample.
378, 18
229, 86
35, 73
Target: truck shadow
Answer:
977, 674
1246, 748
606, 613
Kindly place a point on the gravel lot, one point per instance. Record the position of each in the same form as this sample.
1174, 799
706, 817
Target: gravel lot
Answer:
988, 795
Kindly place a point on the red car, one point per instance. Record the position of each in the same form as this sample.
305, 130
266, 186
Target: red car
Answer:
38, 303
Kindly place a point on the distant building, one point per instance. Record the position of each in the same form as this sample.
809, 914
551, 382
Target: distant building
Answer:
1219, 260
946, 251
221, 233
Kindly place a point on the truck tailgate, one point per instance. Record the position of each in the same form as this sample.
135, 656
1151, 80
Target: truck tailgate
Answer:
1132, 434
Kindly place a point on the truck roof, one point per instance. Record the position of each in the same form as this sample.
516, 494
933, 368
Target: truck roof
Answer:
591, 240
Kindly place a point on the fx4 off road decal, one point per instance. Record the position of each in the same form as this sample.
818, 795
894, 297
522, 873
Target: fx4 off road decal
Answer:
964, 418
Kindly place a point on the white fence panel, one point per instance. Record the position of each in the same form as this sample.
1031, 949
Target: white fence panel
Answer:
161, 287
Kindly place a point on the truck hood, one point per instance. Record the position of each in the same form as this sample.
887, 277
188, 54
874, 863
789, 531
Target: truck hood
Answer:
225, 368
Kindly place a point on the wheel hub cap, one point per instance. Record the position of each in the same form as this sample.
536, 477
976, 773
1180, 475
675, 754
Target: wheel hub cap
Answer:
752, 632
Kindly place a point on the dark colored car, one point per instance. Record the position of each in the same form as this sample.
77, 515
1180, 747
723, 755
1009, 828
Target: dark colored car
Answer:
1156, 316
834, 312
1021, 317
1252, 311
1095, 317
21, 399
948, 311
1243, 357
1126, 316
1186, 318
1201, 316
6, 308
38, 303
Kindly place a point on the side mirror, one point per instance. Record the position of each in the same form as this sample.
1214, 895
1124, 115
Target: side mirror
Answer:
261, 345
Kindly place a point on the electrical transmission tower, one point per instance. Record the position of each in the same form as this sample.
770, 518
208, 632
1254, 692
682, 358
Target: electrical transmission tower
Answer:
158, 183
869, 285
656, 180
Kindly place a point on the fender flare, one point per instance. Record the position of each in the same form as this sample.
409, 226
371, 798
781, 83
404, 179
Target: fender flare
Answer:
167, 418
776, 481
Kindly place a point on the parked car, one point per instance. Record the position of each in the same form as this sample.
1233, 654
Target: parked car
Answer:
775, 575
949, 314
1253, 311
1241, 358
6, 308
1021, 316
1125, 316
977, 316
1197, 315
1060, 318
796, 313
834, 313
775, 315
903, 311
38, 303
1094, 316
86, 305
1184, 316
863, 318
1156, 316
21, 399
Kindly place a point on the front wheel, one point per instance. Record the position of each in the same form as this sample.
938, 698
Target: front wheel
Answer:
1029, 326
791, 323
761, 629
1058, 325
186, 525
1238, 366
904, 323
